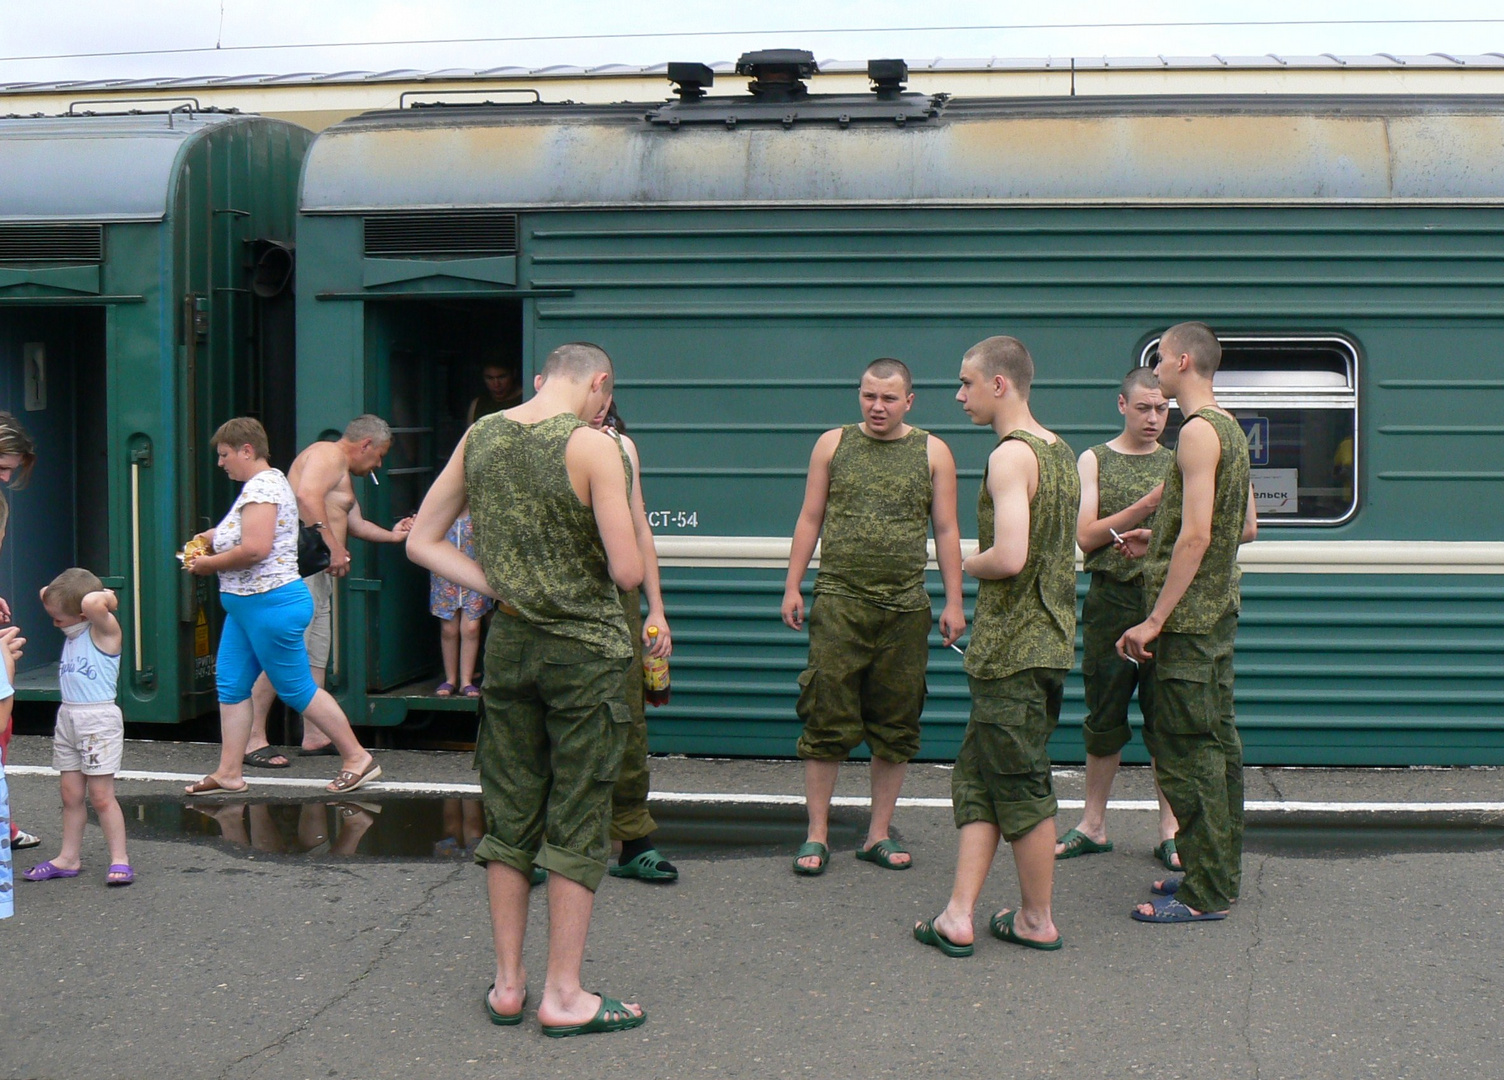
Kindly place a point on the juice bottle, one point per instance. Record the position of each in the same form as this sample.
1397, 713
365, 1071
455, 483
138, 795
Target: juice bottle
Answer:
654, 674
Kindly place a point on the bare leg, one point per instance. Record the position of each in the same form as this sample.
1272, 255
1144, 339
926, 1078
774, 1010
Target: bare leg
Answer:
449, 646
978, 846
887, 781
311, 734
1100, 772
564, 1001
1168, 826
75, 815
262, 696
507, 889
819, 786
469, 649
1034, 856
325, 714
234, 730
111, 820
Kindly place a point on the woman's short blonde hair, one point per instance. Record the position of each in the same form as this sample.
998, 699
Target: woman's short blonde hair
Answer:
242, 431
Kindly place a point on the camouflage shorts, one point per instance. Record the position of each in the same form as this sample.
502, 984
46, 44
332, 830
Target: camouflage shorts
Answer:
865, 680
1002, 773
1111, 608
552, 729
630, 819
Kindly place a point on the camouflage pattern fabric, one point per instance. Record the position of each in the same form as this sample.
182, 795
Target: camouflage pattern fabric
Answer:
1213, 592
1029, 620
865, 680
1111, 608
1002, 773
537, 543
877, 518
1199, 759
552, 729
630, 819
1122, 480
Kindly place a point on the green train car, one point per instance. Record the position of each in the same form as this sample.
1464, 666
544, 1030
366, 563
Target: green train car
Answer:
742, 258
145, 261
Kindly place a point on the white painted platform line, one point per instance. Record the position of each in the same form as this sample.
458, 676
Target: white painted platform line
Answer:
733, 798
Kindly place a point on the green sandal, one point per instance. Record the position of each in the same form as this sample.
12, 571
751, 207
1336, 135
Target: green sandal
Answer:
537, 876
646, 867
1078, 843
1001, 926
611, 1016
503, 1019
926, 933
882, 854
1164, 851
808, 848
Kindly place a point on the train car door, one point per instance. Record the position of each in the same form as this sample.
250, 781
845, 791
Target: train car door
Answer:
423, 368
52, 379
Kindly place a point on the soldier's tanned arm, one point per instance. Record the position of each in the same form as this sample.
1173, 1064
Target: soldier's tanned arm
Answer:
601, 460
947, 528
1010, 472
426, 543
661, 645
807, 529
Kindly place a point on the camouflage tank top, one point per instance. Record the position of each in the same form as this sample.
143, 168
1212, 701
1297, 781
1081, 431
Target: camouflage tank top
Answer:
1029, 620
1213, 592
1122, 480
877, 519
537, 543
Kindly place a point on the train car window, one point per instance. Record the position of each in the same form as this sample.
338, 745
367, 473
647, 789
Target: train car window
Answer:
1297, 399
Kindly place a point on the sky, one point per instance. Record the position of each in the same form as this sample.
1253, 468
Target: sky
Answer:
41, 41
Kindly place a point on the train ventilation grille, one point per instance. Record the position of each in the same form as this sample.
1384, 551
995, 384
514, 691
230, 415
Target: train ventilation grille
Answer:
442, 233
51, 243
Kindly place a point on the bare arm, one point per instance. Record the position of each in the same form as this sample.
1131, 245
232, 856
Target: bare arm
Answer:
99, 608
1251, 519
1012, 471
321, 473
599, 458
1197, 454
426, 542
358, 527
1093, 532
947, 538
258, 529
661, 645
807, 528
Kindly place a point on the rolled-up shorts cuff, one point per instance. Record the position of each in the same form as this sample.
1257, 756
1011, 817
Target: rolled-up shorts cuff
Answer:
632, 824
1014, 820
556, 860
1106, 743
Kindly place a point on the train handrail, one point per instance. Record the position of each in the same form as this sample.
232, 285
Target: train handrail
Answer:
402, 97
137, 664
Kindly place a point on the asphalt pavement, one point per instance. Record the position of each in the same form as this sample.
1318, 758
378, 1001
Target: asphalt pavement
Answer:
1366, 944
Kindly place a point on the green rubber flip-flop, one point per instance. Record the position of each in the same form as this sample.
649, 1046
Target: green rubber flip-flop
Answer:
503, 1019
926, 933
646, 867
1001, 926
882, 854
611, 1016
808, 848
537, 876
1164, 851
1078, 843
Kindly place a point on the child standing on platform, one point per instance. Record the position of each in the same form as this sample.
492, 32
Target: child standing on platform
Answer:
90, 733
460, 612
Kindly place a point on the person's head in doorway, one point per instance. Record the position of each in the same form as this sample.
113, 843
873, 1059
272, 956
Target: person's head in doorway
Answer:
18, 453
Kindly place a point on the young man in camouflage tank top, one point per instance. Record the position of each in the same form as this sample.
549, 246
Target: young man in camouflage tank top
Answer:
554, 541
1191, 588
873, 489
1023, 641
1121, 484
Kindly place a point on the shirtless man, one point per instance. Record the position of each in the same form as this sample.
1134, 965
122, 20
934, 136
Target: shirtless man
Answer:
1023, 641
320, 477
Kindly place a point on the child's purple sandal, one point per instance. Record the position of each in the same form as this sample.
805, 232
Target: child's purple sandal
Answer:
46, 871
471, 690
120, 874
444, 689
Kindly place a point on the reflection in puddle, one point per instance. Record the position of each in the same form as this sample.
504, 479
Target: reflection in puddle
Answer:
447, 828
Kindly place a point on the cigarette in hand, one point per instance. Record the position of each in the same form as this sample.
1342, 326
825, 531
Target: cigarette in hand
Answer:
1116, 536
958, 648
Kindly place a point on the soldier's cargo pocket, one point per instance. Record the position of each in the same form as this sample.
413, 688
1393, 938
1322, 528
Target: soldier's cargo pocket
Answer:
614, 741
1184, 697
804, 708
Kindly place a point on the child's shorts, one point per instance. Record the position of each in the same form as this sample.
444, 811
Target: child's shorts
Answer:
88, 739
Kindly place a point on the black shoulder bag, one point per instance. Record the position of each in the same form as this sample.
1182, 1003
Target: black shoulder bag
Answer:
313, 551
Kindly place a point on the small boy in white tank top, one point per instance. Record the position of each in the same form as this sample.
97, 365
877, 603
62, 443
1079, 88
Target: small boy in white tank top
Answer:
90, 733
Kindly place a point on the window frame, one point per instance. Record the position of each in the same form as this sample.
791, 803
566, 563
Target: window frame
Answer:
1233, 399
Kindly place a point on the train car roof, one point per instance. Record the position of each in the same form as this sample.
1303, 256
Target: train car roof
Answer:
919, 149
96, 168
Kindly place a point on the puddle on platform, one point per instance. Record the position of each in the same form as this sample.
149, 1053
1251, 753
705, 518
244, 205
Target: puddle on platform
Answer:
440, 828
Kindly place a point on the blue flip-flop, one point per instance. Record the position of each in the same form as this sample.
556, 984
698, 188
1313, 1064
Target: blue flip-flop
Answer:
1167, 909
1166, 886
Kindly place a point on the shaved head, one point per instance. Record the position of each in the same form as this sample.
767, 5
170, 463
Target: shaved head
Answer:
1139, 377
1196, 340
886, 368
1005, 356
578, 361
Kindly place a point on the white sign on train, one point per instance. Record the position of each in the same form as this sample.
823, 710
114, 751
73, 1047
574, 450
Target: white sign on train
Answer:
674, 519
1276, 491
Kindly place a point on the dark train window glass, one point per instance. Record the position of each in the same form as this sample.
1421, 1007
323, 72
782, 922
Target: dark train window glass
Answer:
1297, 400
